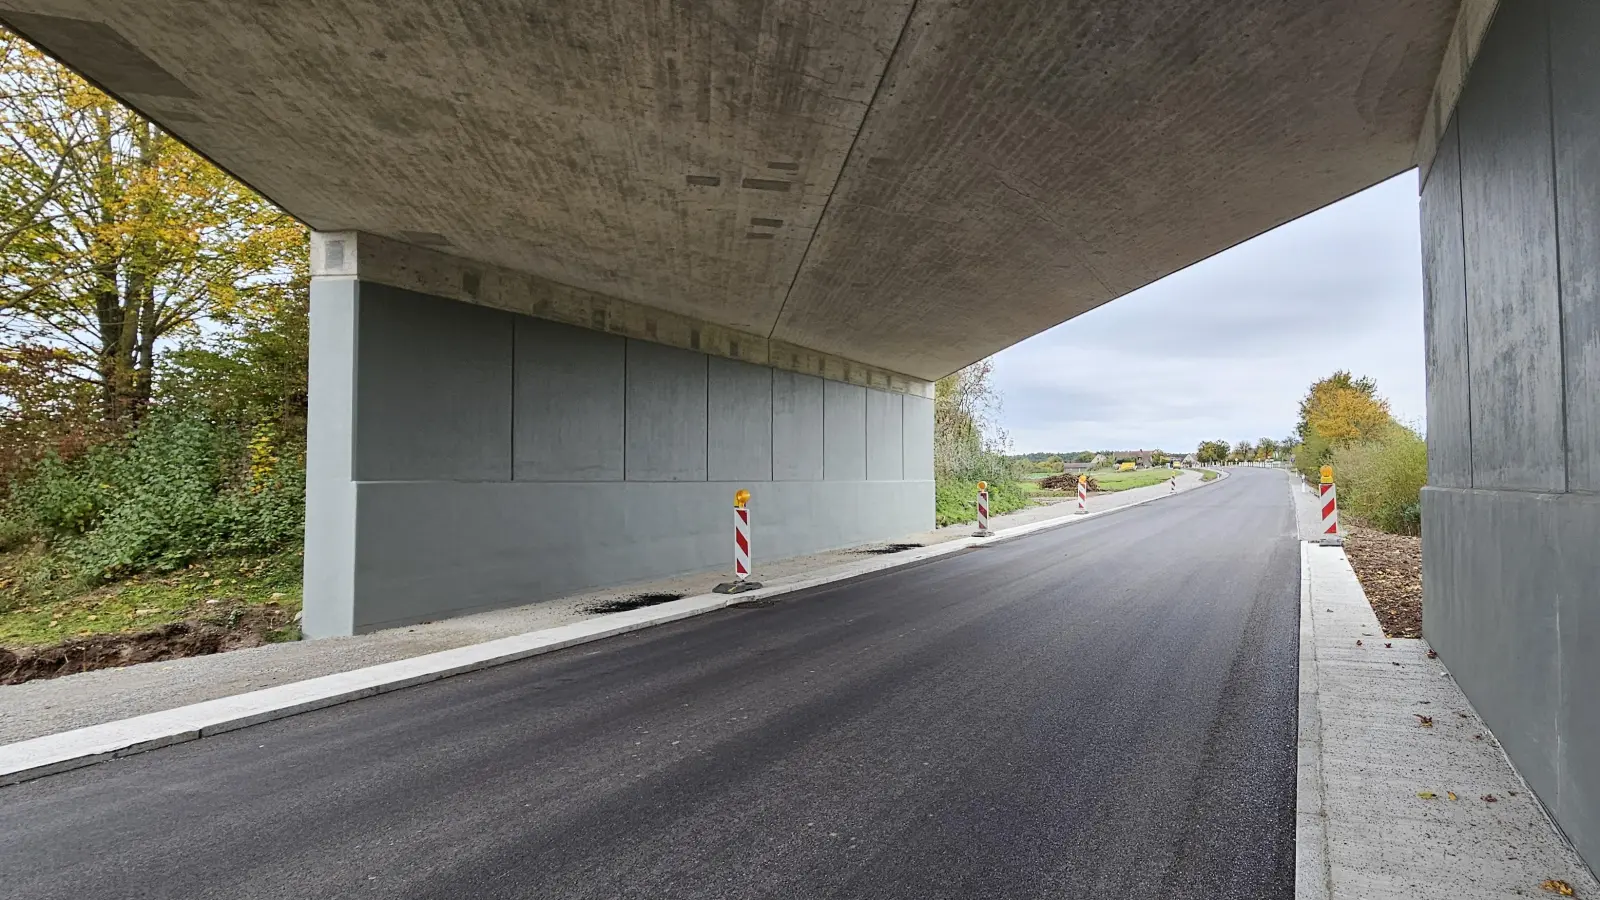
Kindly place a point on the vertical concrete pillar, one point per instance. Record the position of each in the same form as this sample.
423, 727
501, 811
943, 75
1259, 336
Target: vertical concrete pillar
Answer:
330, 459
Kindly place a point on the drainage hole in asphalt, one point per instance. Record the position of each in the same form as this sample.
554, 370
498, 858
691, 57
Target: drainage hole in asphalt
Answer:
634, 601
886, 548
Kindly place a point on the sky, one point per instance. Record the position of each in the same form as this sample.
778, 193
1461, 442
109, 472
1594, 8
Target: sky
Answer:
1225, 349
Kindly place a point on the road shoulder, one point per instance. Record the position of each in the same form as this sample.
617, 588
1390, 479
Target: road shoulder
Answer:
1403, 791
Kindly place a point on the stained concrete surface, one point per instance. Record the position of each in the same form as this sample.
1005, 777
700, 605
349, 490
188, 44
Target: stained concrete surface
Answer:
908, 185
1510, 519
1065, 714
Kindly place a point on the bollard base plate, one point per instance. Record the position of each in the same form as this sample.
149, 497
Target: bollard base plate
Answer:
1332, 542
735, 587
981, 533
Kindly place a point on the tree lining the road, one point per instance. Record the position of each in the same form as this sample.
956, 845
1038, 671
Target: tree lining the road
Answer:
153, 370
969, 446
1380, 464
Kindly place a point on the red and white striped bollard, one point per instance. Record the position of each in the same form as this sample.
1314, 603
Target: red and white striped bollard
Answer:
741, 543
741, 548
1083, 494
1329, 497
983, 510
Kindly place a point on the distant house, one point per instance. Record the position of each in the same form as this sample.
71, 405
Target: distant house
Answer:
1076, 468
1140, 458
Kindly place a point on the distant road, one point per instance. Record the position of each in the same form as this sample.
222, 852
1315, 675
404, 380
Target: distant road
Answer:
1100, 711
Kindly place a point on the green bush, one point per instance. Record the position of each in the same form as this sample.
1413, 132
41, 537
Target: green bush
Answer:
1380, 481
957, 501
173, 491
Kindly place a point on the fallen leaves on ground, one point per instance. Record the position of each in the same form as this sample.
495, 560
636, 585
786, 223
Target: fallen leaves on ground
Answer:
1451, 795
1427, 795
1557, 886
1390, 569
1490, 798
1424, 721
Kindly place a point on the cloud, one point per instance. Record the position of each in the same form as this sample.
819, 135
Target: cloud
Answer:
1226, 348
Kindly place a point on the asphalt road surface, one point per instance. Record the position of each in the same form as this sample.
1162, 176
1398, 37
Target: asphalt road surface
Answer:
1100, 711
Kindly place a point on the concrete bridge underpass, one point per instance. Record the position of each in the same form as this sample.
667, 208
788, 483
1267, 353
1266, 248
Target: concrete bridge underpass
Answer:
582, 270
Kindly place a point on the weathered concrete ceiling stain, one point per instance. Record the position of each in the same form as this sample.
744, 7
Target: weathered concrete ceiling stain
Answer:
987, 169
1020, 169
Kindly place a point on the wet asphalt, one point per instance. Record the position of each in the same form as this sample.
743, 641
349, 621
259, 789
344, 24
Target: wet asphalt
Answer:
1100, 711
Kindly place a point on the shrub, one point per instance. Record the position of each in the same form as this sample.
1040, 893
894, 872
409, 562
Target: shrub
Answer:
957, 501
1380, 480
176, 489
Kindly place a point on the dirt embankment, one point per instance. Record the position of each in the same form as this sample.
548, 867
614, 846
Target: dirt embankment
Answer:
230, 630
1390, 569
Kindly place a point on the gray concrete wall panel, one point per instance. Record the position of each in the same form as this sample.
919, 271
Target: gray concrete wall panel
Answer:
666, 430
1498, 637
739, 407
885, 447
429, 550
797, 452
917, 436
1575, 104
1510, 606
1509, 562
1513, 302
1445, 320
433, 389
844, 432
328, 579
569, 414
389, 551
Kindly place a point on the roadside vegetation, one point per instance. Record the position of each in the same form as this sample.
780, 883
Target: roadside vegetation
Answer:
1138, 478
1380, 464
152, 377
969, 446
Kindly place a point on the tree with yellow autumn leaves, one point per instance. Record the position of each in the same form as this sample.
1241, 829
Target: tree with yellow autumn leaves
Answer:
1381, 465
153, 334
116, 238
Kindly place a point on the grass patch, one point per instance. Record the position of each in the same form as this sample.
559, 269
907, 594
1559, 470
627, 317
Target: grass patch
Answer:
43, 602
957, 501
1208, 475
1138, 478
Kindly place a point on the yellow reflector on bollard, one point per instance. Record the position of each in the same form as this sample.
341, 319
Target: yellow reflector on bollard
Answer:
740, 498
1327, 474
983, 485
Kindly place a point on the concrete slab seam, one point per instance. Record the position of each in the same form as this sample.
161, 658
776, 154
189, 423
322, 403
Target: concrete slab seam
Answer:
64, 751
1312, 878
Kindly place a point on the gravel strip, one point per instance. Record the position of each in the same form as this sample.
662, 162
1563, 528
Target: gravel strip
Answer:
1390, 569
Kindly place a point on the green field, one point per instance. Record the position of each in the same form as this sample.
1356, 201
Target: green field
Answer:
1110, 481
1138, 478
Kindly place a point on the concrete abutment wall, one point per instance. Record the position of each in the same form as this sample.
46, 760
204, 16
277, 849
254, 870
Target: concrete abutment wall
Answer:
464, 458
1511, 519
